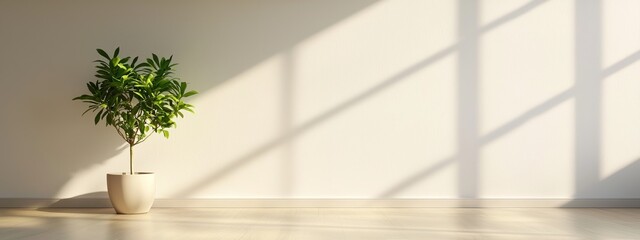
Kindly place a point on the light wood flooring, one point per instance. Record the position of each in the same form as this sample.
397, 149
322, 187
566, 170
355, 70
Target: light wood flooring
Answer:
322, 223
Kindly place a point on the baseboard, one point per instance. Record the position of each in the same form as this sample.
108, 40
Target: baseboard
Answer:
337, 203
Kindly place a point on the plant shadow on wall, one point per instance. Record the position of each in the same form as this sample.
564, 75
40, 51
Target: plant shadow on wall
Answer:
585, 93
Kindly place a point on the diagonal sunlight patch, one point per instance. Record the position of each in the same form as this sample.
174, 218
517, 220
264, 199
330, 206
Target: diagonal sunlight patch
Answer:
406, 124
620, 33
417, 177
504, 15
534, 158
326, 82
531, 76
528, 116
620, 117
236, 163
499, 13
337, 64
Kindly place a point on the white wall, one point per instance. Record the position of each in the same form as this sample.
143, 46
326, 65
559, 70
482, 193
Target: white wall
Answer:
336, 99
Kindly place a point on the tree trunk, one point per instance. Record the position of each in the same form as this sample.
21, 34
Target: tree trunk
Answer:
131, 159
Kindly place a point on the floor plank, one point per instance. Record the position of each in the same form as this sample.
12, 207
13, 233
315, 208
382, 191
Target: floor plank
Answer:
322, 223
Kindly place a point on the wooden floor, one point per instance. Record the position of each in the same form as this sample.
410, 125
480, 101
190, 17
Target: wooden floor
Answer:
322, 223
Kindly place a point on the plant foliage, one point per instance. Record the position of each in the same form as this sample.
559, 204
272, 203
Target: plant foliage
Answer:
137, 99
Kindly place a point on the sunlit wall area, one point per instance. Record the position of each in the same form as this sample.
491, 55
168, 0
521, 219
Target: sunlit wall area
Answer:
526, 64
373, 81
363, 99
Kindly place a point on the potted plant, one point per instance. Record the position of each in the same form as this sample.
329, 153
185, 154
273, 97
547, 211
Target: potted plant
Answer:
137, 99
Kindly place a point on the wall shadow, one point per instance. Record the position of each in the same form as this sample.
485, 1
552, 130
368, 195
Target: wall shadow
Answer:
84, 204
627, 178
417, 177
40, 160
468, 98
586, 92
588, 95
45, 137
468, 114
306, 126
590, 74
245, 35
469, 140
628, 60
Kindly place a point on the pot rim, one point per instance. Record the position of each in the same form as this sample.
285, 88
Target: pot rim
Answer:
134, 174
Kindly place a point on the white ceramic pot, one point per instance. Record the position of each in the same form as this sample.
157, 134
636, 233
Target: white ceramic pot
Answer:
131, 194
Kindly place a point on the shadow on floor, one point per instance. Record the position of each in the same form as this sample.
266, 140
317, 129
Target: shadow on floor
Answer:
85, 203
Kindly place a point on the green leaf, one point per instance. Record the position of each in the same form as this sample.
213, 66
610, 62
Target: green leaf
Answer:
103, 53
89, 109
155, 59
109, 119
142, 65
163, 63
97, 118
165, 133
133, 63
115, 61
150, 63
83, 97
183, 87
136, 98
190, 93
141, 126
102, 67
162, 83
135, 109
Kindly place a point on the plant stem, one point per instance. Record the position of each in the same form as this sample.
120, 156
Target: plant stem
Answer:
131, 158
